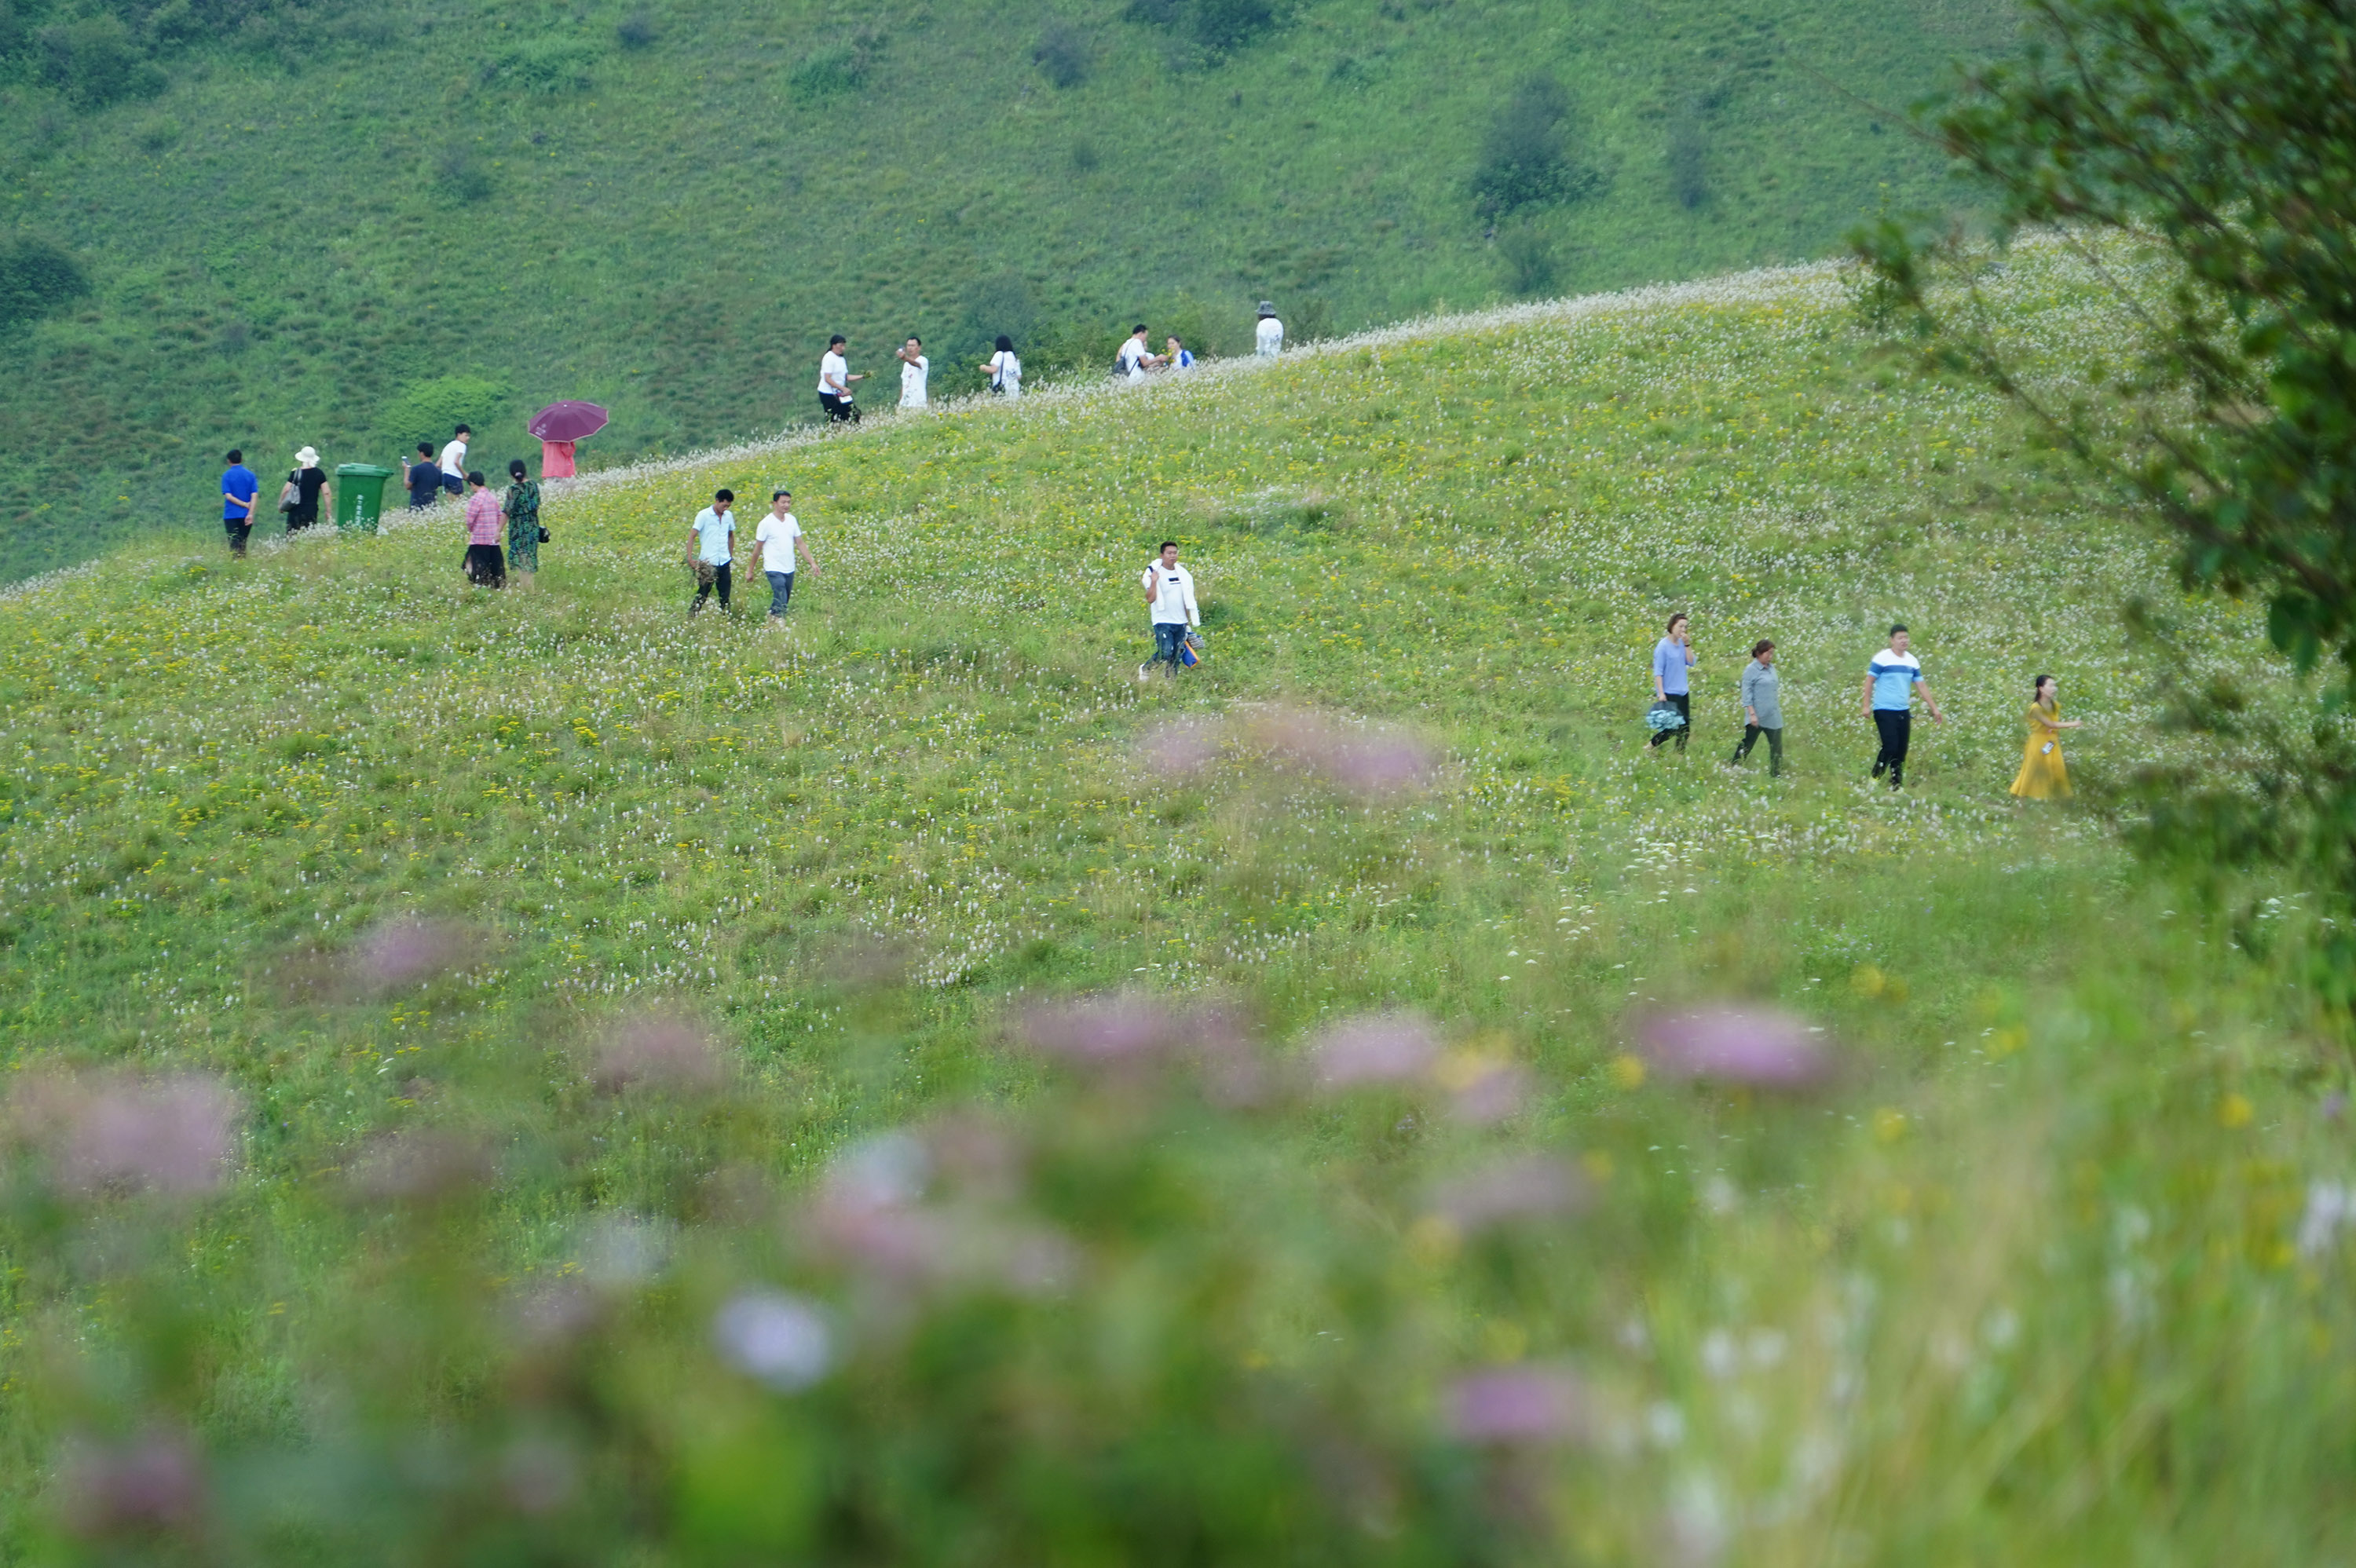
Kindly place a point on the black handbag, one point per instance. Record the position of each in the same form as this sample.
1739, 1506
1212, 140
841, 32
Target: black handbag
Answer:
543, 533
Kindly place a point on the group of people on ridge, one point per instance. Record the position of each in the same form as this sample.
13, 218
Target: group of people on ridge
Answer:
1892, 678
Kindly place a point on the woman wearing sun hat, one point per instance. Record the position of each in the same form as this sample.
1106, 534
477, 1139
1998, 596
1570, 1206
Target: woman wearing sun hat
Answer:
309, 482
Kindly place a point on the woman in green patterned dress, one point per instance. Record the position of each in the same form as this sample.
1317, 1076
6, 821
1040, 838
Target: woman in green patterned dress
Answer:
522, 508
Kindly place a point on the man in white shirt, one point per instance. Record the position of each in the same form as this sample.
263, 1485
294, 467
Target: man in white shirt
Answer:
834, 378
452, 462
714, 534
1170, 595
1268, 337
775, 543
915, 371
1136, 359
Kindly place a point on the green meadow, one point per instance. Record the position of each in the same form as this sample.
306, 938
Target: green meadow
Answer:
349, 227
2042, 1266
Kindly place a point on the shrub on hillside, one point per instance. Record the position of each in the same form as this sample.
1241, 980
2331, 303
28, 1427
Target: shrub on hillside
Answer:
1218, 28
1062, 55
636, 31
1527, 156
1688, 161
542, 64
35, 278
838, 68
94, 60
1531, 268
459, 176
427, 411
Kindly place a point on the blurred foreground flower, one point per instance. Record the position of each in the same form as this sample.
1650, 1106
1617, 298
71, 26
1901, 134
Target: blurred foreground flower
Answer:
1512, 1405
1760, 1047
775, 1338
1370, 762
872, 1214
403, 952
1528, 1187
150, 1483
657, 1052
1129, 1031
1180, 747
102, 1133
421, 1165
1381, 1048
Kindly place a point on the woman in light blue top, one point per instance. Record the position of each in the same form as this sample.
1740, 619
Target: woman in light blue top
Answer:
1670, 659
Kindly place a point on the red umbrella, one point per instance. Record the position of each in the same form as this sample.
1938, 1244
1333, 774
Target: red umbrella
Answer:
568, 422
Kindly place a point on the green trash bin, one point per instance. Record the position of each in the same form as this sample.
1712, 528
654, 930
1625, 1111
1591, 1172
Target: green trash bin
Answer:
359, 494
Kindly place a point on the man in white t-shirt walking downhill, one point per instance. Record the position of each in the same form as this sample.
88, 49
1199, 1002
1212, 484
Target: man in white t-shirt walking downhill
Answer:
1169, 596
714, 534
834, 378
1268, 337
1136, 359
915, 371
775, 544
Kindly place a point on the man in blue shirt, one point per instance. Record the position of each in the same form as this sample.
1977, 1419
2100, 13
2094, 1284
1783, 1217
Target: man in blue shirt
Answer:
1890, 682
422, 478
240, 491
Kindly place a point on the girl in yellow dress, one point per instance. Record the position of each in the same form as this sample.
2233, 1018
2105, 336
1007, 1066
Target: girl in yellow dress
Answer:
2044, 775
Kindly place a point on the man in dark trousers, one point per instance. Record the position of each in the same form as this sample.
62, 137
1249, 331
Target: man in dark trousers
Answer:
1890, 682
240, 493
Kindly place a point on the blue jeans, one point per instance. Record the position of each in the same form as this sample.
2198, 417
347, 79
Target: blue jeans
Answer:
1167, 640
781, 589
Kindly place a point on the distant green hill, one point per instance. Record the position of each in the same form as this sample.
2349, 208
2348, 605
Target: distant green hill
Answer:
348, 227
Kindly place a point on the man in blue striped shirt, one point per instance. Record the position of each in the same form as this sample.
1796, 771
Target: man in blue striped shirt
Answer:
1890, 682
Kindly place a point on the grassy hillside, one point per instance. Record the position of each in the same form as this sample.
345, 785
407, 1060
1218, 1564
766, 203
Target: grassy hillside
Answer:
350, 226
2041, 1280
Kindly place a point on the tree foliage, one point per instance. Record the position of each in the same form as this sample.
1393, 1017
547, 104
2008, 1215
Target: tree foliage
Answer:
1525, 155
35, 278
2225, 134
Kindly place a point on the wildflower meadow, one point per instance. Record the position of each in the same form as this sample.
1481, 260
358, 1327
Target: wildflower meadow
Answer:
532, 1077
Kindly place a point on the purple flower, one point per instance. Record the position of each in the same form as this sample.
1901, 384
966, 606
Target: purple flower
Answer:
1379, 1048
151, 1482
1180, 747
1528, 1187
657, 1052
1515, 1405
1760, 1047
1126, 1028
1372, 762
403, 952
780, 1340
419, 1165
174, 1135
1487, 1091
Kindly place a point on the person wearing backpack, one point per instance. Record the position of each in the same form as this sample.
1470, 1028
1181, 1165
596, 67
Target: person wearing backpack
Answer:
1136, 359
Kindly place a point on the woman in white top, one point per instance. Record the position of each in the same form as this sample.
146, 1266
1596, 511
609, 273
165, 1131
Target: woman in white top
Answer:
1004, 369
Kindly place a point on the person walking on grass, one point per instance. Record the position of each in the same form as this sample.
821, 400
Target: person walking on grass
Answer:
1135, 359
422, 478
1891, 681
453, 461
241, 490
915, 371
834, 378
714, 547
1267, 337
310, 482
776, 542
1762, 708
1004, 371
521, 509
486, 566
1170, 598
1673, 661
2044, 775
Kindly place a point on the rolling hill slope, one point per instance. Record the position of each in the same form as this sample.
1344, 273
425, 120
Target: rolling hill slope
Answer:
352, 227
1914, 1314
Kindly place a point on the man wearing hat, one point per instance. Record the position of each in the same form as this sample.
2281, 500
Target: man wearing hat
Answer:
1267, 338
305, 485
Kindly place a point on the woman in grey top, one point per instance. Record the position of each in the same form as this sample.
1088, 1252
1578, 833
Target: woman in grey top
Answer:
1762, 708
